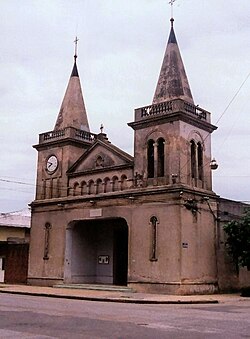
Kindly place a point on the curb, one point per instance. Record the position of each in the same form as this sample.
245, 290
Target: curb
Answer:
115, 300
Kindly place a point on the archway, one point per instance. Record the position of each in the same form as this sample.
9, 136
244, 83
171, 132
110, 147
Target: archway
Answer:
97, 252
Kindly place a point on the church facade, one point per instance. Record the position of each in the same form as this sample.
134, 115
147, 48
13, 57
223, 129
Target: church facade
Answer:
101, 216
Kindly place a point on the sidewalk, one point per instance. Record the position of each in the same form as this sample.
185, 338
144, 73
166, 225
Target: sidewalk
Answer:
117, 296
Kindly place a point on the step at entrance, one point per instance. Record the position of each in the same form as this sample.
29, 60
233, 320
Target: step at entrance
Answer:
96, 287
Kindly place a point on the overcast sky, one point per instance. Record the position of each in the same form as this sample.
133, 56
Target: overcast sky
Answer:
120, 52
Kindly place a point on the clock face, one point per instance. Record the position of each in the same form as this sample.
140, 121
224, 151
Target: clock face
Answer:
52, 164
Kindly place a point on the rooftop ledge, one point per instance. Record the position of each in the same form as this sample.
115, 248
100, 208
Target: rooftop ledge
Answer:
67, 132
171, 106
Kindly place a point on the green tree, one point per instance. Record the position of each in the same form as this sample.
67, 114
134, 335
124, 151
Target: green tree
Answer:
238, 240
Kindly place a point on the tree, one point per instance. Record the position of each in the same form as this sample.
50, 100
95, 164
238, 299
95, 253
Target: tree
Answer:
238, 240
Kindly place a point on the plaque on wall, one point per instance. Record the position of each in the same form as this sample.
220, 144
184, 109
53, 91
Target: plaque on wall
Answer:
97, 212
103, 259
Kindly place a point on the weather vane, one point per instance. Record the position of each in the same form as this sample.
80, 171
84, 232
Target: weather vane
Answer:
76, 41
171, 2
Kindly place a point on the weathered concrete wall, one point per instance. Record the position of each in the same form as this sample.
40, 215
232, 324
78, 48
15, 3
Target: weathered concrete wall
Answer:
47, 269
176, 264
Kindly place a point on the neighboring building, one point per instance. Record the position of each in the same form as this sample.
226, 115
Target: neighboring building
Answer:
148, 221
228, 277
14, 246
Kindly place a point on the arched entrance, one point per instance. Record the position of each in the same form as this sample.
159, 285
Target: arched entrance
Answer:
97, 252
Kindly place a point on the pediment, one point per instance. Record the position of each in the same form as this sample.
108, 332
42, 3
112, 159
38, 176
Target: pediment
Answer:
100, 156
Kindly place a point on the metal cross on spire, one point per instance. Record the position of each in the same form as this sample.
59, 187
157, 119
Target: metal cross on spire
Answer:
171, 2
76, 41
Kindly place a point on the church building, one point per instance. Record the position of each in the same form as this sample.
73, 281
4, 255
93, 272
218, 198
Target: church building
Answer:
147, 221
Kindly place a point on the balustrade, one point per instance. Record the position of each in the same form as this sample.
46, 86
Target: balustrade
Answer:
53, 134
171, 106
85, 135
68, 132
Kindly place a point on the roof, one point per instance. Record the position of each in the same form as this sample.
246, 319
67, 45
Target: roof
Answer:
16, 219
173, 81
73, 112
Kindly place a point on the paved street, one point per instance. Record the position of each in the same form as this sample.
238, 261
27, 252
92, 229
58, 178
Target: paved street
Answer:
41, 317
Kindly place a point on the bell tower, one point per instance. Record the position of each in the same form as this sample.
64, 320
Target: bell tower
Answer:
172, 138
60, 148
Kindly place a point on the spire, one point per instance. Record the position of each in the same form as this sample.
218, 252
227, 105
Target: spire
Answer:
73, 112
172, 82
74, 71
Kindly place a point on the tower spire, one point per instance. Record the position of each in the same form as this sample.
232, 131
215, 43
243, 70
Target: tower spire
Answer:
173, 81
73, 112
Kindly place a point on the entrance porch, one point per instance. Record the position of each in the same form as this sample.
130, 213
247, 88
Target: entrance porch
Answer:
96, 252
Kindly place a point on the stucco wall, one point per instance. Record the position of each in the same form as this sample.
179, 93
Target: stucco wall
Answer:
175, 262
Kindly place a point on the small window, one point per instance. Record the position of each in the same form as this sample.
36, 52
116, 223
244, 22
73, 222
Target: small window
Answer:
47, 229
200, 161
161, 157
150, 159
193, 159
153, 223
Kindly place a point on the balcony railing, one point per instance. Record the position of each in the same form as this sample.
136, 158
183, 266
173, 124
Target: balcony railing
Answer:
68, 132
172, 106
53, 135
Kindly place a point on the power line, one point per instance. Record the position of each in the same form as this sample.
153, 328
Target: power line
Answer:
233, 98
220, 117
16, 182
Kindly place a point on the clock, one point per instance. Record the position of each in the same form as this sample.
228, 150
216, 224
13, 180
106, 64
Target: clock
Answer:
52, 164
